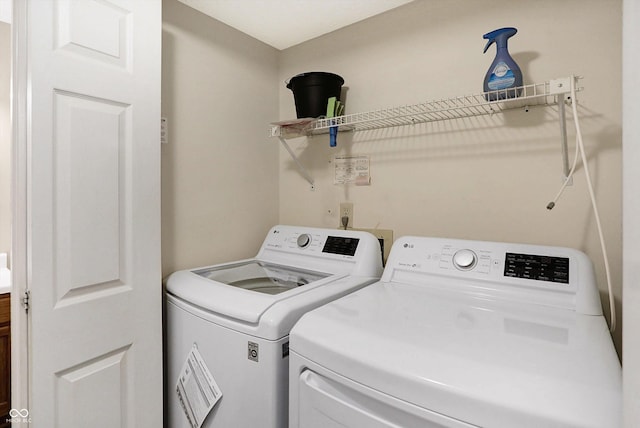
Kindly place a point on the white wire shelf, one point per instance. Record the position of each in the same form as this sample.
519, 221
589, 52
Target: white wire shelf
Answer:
538, 94
553, 92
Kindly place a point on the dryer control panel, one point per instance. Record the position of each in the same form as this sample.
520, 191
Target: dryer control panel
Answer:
556, 276
536, 267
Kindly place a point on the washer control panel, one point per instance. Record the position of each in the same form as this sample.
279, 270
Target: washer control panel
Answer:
338, 243
333, 251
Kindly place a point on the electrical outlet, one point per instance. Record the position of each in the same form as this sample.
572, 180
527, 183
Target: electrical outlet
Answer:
346, 210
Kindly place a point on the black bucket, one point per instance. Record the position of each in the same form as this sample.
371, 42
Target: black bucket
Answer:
311, 91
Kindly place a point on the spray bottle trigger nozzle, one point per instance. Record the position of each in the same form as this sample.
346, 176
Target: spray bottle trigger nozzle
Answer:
499, 36
489, 43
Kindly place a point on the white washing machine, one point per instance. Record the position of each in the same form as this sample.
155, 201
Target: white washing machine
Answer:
227, 326
460, 334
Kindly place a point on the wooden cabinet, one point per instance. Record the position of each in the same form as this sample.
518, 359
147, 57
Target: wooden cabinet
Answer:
5, 357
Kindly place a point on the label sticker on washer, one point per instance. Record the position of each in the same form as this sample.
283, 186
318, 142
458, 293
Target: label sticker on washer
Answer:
197, 389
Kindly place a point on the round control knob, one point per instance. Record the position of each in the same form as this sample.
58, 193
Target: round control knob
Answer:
465, 259
304, 240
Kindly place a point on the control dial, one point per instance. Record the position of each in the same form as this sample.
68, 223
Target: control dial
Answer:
465, 259
304, 240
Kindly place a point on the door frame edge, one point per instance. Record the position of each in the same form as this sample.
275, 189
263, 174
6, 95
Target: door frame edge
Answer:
19, 203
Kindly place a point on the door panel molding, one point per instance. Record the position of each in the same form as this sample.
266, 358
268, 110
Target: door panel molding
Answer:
98, 30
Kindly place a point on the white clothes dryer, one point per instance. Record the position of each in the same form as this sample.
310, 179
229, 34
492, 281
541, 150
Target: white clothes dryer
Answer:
237, 316
460, 334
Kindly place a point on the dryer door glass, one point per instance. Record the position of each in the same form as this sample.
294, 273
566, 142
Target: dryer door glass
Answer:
261, 277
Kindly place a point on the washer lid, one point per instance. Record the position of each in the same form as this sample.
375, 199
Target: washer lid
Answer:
261, 277
243, 290
480, 361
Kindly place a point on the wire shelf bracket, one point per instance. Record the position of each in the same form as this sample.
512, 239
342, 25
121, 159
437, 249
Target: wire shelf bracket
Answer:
301, 168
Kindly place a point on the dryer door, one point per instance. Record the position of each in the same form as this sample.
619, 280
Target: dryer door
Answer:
338, 403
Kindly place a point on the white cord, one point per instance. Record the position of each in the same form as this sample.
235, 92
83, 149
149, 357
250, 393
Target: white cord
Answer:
580, 148
567, 179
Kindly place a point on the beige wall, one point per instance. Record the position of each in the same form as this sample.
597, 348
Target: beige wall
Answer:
5, 137
219, 169
487, 178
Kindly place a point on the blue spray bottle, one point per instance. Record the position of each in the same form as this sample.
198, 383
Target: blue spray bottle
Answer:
504, 73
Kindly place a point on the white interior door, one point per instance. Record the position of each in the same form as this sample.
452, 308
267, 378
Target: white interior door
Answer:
89, 134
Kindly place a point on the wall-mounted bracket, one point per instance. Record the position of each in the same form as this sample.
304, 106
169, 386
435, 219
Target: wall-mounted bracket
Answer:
563, 139
301, 168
